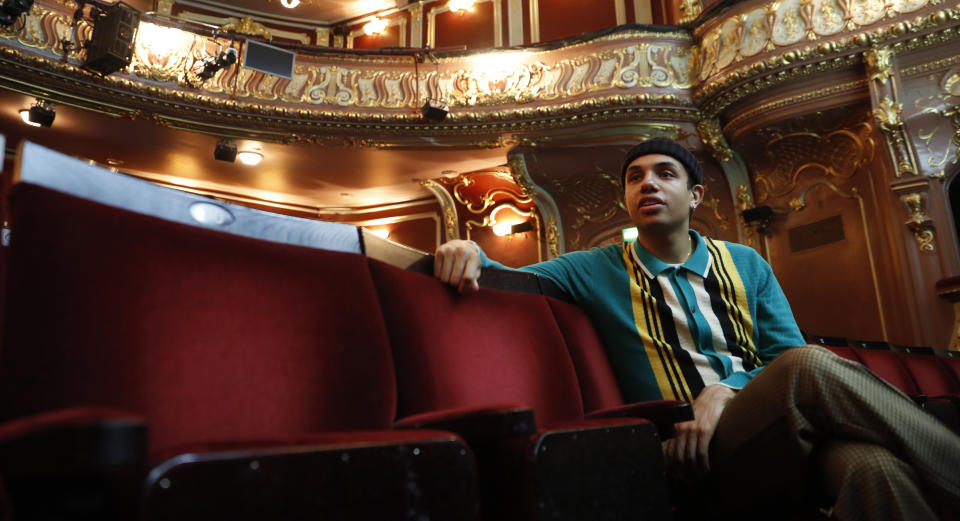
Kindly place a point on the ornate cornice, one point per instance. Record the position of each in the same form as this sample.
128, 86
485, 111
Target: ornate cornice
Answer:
494, 98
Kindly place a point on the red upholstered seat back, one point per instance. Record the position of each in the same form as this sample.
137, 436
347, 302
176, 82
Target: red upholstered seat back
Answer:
475, 349
952, 363
932, 377
210, 336
887, 365
844, 352
597, 381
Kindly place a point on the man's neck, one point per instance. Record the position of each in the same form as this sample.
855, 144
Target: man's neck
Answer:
674, 247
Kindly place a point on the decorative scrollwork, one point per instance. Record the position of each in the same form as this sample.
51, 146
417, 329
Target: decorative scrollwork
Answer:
919, 223
786, 157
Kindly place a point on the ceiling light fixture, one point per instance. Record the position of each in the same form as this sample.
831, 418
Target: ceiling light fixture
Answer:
289, 4
41, 114
250, 157
460, 6
375, 26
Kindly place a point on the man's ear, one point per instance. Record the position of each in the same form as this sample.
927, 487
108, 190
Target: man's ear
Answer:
696, 195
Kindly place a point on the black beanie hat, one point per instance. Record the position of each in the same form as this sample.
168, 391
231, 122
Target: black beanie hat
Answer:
669, 147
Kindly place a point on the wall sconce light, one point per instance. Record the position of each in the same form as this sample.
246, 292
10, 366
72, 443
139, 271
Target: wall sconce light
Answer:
250, 157
383, 233
460, 6
504, 229
41, 114
289, 4
629, 234
375, 26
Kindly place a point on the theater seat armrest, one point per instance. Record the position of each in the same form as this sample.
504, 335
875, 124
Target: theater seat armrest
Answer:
662, 413
476, 424
79, 463
72, 439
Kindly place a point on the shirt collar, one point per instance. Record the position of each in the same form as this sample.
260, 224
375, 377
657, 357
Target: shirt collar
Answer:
698, 263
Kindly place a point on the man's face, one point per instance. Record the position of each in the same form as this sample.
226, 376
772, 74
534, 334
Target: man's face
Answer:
656, 193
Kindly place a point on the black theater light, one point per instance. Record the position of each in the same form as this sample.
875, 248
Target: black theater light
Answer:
434, 111
41, 114
210, 67
114, 33
226, 150
12, 9
762, 215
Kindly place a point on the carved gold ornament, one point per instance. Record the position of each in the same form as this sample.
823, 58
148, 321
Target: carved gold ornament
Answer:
787, 157
595, 198
690, 10
247, 26
447, 206
879, 65
714, 204
919, 223
712, 136
888, 115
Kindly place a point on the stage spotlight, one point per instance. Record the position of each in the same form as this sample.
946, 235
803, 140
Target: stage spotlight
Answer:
41, 114
434, 111
114, 33
225, 150
210, 67
12, 9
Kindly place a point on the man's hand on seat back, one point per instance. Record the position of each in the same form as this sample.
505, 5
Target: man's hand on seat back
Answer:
688, 453
457, 263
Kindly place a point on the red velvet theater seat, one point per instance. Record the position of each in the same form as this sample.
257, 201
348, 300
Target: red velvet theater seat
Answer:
598, 385
255, 357
460, 358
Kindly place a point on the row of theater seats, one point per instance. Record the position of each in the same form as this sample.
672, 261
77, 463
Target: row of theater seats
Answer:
931, 377
168, 356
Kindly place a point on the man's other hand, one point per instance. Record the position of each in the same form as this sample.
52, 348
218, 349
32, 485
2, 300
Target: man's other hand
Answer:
688, 453
457, 263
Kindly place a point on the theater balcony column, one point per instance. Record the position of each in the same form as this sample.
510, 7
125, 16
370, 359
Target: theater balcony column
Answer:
548, 207
737, 175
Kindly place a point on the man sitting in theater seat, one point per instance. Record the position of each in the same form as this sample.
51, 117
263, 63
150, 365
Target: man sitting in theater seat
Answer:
686, 317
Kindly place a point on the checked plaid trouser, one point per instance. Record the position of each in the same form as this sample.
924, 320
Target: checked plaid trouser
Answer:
811, 417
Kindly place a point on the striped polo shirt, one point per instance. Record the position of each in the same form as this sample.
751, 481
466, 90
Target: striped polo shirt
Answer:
670, 331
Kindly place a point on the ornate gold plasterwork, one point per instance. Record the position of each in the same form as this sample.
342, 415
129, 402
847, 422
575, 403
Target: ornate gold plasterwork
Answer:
918, 222
837, 154
489, 197
594, 198
724, 84
787, 22
553, 238
744, 199
879, 66
447, 206
945, 105
714, 204
712, 135
247, 26
750, 115
690, 10
885, 97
